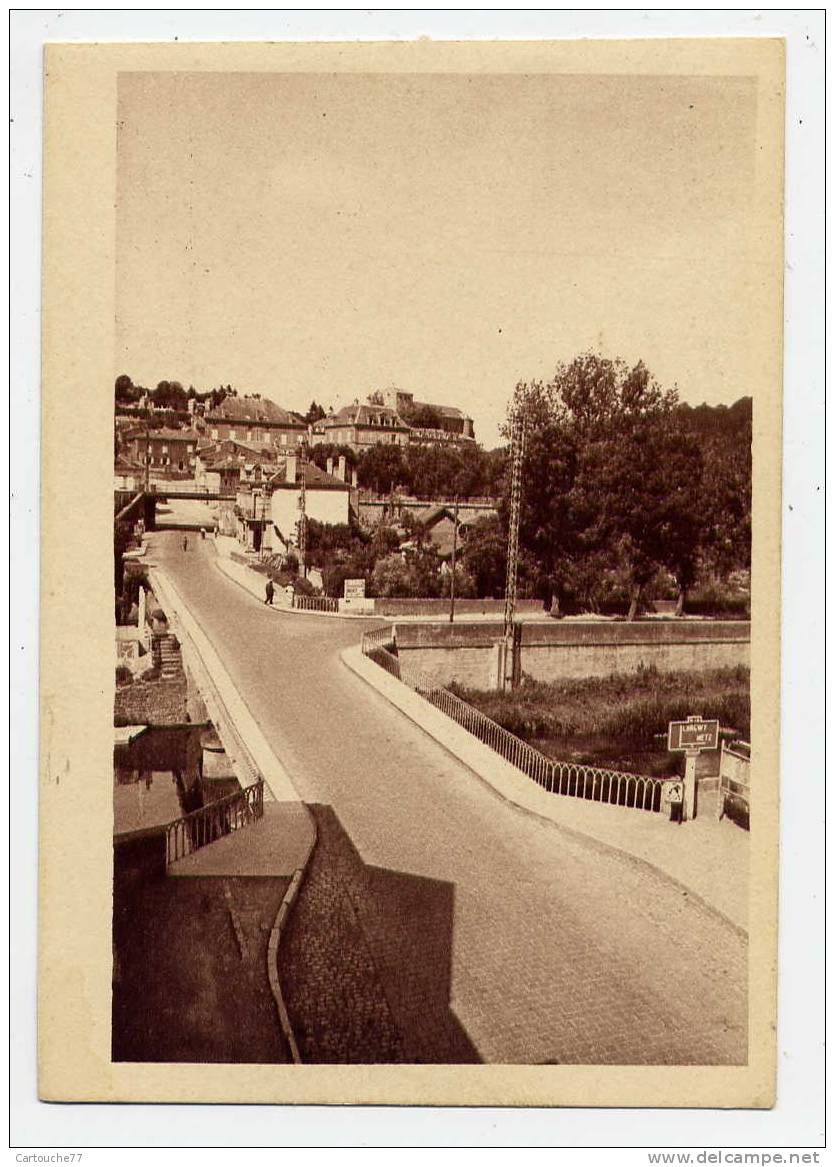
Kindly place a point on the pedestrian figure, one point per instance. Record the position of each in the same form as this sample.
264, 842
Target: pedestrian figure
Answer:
185, 542
270, 590
202, 532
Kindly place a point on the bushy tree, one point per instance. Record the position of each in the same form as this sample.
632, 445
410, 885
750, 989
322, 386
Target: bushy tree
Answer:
392, 577
609, 478
465, 584
315, 413
320, 453
484, 554
170, 395
381, 468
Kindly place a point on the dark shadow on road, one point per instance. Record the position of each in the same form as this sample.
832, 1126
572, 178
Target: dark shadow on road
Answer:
365, 963
185, 987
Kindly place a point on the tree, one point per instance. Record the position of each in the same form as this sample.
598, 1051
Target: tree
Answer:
381, 468
484, 554
392, 577
609, 480
170, 395
315, 413
320, 453
465, 584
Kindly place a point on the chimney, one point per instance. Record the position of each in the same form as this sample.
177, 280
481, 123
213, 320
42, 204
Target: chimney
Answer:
341, 474
329, 465
290, 468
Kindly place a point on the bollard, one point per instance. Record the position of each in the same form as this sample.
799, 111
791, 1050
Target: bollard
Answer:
690, 799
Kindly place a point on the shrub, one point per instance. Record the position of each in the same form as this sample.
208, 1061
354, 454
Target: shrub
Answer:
123, 675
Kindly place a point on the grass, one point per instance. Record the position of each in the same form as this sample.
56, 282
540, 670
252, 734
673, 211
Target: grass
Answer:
606, 716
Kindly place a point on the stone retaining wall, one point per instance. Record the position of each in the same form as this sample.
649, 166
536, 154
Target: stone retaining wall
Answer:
561, 650
151, 702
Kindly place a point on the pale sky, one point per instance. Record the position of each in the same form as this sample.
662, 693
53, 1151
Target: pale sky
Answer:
320, 236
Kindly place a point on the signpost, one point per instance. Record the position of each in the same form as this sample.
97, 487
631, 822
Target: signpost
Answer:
354, 589
690, 737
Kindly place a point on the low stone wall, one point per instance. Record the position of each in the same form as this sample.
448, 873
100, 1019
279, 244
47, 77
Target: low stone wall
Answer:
391, 606
562, 650
151, 702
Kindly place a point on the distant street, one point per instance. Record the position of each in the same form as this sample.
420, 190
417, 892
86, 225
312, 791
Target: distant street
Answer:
553, 950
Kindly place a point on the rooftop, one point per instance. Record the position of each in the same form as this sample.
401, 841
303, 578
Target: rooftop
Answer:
365, 414
254, 409
313, 477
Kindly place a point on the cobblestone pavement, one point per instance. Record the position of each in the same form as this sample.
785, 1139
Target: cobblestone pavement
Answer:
550, 949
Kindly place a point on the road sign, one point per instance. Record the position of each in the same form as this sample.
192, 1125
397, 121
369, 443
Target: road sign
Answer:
354, 589
694, 734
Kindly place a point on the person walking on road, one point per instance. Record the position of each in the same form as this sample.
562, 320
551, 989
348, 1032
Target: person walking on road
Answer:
185, 542
270, 591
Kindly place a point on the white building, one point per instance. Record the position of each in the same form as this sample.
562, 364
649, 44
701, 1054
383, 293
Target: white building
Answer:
327, 499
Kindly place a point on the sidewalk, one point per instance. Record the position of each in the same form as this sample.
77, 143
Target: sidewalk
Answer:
708, 859
278, 844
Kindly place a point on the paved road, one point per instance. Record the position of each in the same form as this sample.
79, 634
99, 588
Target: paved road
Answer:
548, 949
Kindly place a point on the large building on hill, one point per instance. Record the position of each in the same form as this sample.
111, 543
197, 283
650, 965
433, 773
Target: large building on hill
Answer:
393, 417
361, 426
425, 416
254, 419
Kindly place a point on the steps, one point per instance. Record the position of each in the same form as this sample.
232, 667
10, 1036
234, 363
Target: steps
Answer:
167, 656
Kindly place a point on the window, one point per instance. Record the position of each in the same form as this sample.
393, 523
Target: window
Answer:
165, 449
232, 435
214, 434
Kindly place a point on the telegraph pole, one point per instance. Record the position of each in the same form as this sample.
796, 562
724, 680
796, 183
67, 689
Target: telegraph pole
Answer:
301, 467
454, 549
517, 455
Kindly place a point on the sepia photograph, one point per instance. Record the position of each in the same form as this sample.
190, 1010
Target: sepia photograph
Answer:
440, 411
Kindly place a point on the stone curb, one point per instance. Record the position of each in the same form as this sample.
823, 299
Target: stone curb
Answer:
261, 757
184, 617
502, 779
284, 910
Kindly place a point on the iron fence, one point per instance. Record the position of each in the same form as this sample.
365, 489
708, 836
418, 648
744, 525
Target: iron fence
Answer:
315, 603
213, 821
573, 779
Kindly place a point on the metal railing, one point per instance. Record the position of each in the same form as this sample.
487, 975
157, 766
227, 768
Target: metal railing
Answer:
734, 775
315, 603
574, 779
378, 638
213, 821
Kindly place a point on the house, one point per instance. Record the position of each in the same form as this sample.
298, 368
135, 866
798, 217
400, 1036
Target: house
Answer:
327, 499
255, 463
168, 452
362, 426
128, 475
253, 419
438, 527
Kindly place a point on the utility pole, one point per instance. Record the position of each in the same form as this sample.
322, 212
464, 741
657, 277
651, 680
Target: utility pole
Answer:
454, 549
301, 465
517, 456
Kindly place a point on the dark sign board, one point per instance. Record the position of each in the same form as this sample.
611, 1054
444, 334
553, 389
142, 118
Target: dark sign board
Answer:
693, 735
